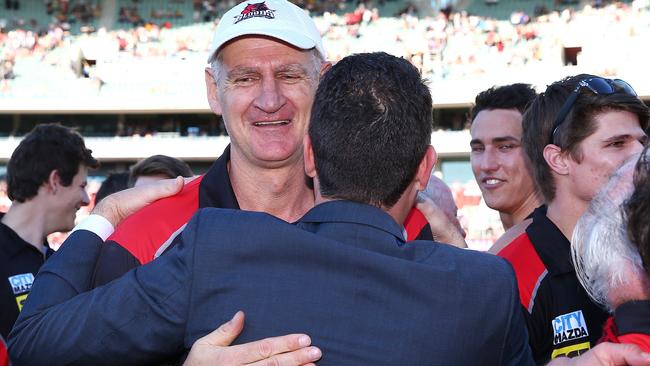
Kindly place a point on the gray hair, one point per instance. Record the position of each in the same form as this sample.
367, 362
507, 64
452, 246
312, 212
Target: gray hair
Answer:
602, 253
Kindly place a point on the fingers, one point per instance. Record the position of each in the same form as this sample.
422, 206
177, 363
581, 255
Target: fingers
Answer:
265, 348
304, 356
611, 354
227, 332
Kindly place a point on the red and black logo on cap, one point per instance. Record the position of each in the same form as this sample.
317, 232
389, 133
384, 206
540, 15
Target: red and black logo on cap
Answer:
257, 10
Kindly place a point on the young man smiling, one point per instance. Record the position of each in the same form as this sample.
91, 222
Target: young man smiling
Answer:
575, 134
498, 159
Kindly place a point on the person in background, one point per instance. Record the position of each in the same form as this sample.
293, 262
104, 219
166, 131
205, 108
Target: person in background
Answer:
46, 180
114, 182
158, 167
576, 133
498, 159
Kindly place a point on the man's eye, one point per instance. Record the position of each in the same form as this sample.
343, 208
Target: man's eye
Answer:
477, 149
506, 147
619, 143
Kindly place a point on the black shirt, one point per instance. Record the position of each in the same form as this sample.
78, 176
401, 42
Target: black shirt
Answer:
19, 263
561, 318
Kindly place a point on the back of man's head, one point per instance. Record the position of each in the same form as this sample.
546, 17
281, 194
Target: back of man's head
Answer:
46, 148
604, 257
370, 127
162, 166
513, 96
540, 118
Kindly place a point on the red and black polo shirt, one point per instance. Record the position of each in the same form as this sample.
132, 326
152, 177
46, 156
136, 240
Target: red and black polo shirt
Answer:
561, 318
148, 233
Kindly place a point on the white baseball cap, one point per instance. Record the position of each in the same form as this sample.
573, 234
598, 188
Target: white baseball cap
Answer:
274, 18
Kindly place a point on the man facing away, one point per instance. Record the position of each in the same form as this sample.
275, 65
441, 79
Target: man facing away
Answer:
498, 159
576, 134
46, 180
342, 274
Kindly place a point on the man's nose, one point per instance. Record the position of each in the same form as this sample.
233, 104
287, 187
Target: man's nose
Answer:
271, 97
489, 161
85, 199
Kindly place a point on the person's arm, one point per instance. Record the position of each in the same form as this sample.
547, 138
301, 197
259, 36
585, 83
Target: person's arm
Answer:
136, 319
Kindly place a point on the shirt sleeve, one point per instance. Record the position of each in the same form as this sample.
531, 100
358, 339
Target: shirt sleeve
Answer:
139, 318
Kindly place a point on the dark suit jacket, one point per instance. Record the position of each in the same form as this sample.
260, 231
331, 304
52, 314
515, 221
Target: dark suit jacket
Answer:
343, 274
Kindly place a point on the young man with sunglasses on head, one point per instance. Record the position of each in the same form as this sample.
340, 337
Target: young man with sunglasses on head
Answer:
575, 134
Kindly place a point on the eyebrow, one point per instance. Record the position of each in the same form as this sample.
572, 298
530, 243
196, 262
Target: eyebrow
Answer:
496, 140
622, 137
241, 70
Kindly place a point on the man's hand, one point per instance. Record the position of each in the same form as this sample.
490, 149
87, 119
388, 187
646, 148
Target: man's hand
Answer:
214, 349
120, 205
443, 228
607, 354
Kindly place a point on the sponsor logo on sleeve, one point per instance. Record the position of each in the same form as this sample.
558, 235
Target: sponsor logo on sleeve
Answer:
257, 10
21, 283
568, 327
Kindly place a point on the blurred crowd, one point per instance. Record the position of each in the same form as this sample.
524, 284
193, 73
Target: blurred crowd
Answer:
450, 45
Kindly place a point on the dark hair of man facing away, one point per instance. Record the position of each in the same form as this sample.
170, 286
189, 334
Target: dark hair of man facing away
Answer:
514, 96
159, 165
389, 92
637, 210
46, 148
579, 123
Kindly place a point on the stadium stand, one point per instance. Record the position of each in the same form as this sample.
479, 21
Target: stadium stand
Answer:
131, 80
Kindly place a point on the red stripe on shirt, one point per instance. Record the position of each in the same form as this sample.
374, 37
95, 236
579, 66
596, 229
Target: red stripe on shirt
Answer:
414, 223
167, 214
528, 267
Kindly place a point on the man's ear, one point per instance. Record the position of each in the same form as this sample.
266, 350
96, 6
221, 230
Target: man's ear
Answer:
308, 156
212, 90
556, 160
53, 182
324, 67
425, 168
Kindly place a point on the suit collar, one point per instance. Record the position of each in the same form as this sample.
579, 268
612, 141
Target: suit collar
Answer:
341, 211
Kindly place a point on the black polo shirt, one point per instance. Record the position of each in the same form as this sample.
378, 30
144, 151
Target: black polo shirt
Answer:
19, 263
561, 318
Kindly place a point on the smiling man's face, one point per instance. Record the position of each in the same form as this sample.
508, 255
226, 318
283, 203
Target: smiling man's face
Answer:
264, 90
499, 161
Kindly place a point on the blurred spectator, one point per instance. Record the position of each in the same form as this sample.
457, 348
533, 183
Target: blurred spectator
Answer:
158, 167
114, 182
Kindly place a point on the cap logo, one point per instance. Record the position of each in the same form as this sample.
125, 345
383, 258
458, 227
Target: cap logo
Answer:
257, 10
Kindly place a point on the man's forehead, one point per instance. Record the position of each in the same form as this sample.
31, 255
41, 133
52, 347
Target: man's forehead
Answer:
499, 124
252, 45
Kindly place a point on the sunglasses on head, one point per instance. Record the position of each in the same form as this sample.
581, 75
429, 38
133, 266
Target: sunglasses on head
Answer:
598, 86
